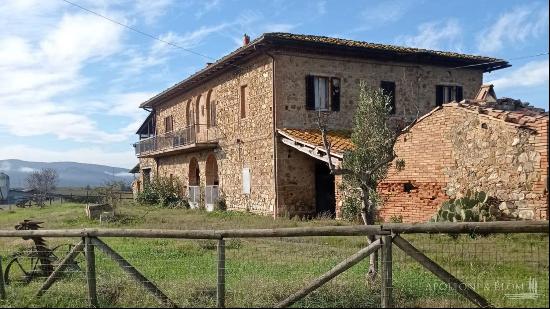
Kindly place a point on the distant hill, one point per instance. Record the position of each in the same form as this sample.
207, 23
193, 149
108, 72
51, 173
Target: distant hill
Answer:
71, 174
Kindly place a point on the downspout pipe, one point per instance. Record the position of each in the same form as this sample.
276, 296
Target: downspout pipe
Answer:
274, 117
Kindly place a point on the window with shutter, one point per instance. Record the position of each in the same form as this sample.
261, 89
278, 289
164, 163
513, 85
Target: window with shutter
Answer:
321, 89
335, 94
438, 95
213, 121
388, 88
310, 93
459, 95
168, 124
446, 94
322, 93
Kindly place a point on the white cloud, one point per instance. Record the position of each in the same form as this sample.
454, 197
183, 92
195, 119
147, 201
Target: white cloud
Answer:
152, 10
278, 27
120, 174
38, 72
26, 169
516, 26
532, 74
382, 13
95, 155
321, 7
207, 6
435, 35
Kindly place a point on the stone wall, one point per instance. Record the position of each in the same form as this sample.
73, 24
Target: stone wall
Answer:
415, 94
455, 150
415, 86
501, 159
243, 143
296, 182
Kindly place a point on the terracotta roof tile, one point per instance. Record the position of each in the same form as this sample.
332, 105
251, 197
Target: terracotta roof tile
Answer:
274, 38
528, 117
340, 139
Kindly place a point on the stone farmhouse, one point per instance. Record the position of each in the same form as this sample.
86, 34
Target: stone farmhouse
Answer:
245, 127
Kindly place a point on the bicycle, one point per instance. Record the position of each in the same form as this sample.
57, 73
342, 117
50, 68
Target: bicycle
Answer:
38, 261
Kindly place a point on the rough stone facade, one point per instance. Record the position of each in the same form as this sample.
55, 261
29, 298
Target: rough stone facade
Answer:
415, 94
282, 178
242, 142
455, 149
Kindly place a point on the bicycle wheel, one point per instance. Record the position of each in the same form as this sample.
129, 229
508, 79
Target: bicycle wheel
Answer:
21, 269
61, 251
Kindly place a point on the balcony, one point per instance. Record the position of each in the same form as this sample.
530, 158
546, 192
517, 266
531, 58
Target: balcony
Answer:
192, 138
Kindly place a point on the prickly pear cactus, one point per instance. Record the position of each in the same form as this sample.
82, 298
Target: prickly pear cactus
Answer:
472, 207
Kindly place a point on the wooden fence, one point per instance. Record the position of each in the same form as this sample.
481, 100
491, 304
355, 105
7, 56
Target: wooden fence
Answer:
387, 235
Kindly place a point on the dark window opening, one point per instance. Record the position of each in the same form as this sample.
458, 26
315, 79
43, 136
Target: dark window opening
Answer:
445, 94
322, 93
408, 187
388, 88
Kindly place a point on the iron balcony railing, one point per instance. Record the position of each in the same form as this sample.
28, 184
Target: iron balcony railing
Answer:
190, 135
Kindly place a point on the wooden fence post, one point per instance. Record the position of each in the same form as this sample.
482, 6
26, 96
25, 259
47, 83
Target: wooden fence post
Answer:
220, 291
441, 273
134, 273
90, 272
59, 270
387, 267
2, 287
335, 271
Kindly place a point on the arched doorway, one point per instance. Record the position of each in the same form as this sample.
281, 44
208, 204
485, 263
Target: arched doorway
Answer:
212, 171
194, 183
212, 182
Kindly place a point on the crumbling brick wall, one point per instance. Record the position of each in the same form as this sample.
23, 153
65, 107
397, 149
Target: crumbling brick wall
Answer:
454, 150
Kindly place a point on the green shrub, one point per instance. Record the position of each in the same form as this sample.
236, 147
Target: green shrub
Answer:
221, 204
165, 192
351, 208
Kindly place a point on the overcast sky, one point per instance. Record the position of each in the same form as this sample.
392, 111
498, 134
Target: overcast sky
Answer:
71, 82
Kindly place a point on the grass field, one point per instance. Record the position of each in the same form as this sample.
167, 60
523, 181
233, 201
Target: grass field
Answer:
261, 272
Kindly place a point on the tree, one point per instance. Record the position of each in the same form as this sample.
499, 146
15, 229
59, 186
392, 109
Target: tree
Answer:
365, 166
42, 183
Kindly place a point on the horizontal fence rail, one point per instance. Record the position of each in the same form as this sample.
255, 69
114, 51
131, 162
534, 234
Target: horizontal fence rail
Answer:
413, 276
356, 230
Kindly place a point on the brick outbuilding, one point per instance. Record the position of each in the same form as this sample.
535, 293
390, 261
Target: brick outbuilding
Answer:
479, 146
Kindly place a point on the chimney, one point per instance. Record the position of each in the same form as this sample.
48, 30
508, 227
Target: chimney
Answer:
246, 39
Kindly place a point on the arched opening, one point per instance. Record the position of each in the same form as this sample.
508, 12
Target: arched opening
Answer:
212, 171
194, 183
198, 113
212, 181
189, 114
209, 109
194, 173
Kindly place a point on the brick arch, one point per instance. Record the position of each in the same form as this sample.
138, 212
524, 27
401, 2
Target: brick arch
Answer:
212, 171
194, 172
